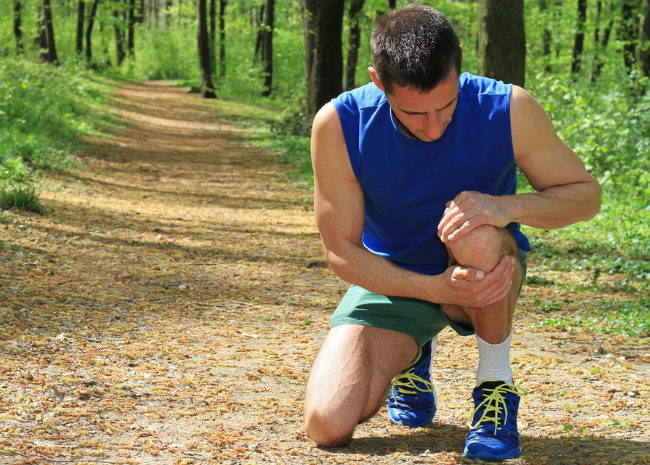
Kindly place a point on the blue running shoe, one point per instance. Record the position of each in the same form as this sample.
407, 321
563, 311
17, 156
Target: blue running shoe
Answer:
493, 434
412, 397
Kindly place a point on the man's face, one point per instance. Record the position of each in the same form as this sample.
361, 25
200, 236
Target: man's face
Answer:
425, 116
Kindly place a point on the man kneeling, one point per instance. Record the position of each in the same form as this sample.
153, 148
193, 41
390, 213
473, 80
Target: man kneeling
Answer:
415, 200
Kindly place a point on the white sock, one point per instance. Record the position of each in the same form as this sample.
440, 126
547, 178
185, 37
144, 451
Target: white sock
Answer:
494, 360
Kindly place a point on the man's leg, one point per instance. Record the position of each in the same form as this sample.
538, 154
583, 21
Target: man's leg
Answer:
350, 378
482, 249
493, 435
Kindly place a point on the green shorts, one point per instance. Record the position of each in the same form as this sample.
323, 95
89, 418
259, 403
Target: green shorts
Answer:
419, 318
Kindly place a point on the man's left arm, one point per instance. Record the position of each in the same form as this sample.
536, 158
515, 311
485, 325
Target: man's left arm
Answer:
566, 192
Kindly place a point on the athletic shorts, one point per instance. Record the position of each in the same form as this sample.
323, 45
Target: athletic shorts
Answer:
419, 318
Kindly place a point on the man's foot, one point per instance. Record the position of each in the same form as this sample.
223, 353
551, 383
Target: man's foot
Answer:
412, 397
493, 434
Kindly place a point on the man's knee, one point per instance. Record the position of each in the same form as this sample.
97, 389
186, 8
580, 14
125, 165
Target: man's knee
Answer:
482, 248
325, 432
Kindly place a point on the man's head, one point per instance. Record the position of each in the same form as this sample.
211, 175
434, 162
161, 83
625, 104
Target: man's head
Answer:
414, 47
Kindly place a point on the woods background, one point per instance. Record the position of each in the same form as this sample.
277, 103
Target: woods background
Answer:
585, 61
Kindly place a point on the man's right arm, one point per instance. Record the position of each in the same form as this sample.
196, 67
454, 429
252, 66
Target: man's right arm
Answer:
340, 214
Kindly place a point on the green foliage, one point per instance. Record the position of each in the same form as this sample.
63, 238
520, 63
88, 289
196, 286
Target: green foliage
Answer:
22, 197
292, 121
163, 54
631, 317
44, 113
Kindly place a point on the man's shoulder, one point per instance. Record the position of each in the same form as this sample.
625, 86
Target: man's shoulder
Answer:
354, 101
470, 84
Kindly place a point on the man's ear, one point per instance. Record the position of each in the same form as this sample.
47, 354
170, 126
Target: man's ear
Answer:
375, 78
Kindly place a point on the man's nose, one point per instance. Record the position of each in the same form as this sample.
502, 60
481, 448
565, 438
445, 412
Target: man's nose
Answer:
434, 126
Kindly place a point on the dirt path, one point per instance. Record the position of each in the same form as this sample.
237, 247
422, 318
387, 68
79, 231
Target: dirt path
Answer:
167, 308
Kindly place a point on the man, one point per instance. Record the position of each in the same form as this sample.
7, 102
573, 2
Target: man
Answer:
415, 183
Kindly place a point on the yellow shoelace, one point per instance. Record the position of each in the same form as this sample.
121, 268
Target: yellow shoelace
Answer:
409, 380
493, 403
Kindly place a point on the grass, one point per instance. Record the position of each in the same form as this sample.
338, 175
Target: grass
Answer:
24, 197
45, 114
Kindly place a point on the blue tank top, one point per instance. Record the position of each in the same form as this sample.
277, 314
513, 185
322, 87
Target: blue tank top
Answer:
407, 182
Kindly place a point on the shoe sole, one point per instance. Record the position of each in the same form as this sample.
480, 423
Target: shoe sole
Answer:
412, 425
494, 458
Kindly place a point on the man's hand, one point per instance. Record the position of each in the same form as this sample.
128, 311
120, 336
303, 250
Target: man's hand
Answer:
469, 287
470, 210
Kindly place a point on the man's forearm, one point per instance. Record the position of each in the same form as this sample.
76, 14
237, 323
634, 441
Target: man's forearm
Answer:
356, 265
557, 207
461, 286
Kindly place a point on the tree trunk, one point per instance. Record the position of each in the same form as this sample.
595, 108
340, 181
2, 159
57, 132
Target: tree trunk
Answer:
259, 24
18, 33
353, 42
222, 38
579, 42
326, 75
42, 40
601, 41
89, 30
392, 4
644, 41
206, 88
139, 12
546, 30
502, 40
267, 47
81, 11
119, 38
162, 15
309, 24
48, 55
130, 46
628, 31
213, 35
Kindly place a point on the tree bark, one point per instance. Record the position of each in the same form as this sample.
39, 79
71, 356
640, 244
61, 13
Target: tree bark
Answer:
546, 31
601, 41
579, 42
502, 40
222, 38
206, 88
259, 24
644, 41
130, 46
18, 33
628, 31
81, 11
353, 42
267, 47
309, 23
48, 55
326, 75
119, 37
139, 11
212, 35
89, 30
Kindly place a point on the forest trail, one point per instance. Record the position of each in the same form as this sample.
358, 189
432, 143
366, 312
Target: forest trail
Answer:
168, 306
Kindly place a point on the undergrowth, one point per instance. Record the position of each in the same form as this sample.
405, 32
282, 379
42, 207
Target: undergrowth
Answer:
24, 197
45, 111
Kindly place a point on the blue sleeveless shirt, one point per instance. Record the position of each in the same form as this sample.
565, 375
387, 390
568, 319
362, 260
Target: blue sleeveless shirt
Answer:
407, 182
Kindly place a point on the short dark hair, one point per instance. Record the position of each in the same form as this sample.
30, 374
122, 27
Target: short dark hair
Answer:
414, 47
